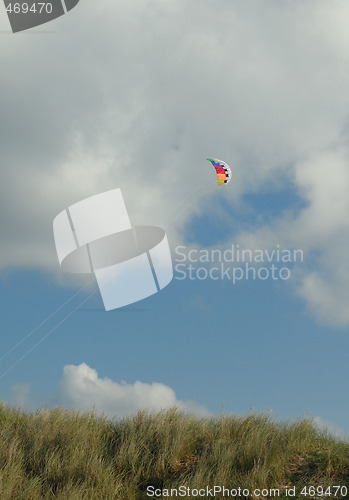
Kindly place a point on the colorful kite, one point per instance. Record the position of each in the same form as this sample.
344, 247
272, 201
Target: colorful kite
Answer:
223, 171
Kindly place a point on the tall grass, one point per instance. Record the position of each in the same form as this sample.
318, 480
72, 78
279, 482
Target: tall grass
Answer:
71, 456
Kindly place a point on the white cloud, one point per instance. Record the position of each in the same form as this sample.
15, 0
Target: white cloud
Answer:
321, 230
21, 396
331, 428
81, 388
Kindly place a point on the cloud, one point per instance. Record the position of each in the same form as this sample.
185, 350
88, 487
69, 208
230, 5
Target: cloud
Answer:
261, 84
81, 388
21, 396
331, 428
321, 230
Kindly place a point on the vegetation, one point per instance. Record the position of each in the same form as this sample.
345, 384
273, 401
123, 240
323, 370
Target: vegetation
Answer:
71, 456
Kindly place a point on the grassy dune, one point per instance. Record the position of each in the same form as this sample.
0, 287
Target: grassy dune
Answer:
71, 456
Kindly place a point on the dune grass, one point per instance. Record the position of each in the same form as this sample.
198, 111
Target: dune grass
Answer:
71, 456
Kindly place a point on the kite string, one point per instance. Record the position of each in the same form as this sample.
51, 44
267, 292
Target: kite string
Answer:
208, 190
47, 335
54, 328
43, 322
184, 200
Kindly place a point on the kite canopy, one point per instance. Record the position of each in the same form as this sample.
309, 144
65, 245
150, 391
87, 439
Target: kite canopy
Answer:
223, 171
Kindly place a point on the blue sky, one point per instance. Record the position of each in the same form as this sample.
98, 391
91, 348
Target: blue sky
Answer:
141, 110
248, 345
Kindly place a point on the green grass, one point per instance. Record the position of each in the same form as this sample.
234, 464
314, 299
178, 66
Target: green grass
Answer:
70, 456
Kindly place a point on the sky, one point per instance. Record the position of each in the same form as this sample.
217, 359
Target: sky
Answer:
136, 95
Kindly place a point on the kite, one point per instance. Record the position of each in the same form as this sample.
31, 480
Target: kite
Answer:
223, 171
